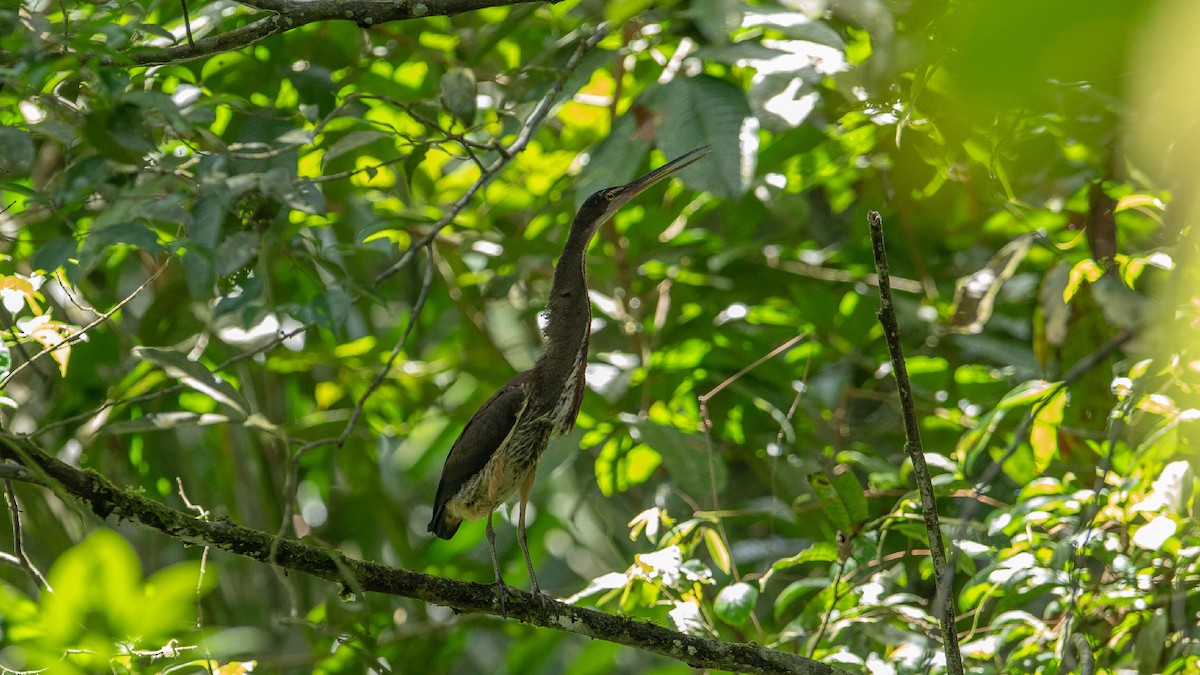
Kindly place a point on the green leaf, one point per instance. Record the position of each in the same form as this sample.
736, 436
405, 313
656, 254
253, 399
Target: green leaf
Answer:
162, 421
118, 133
351, 142
459, 92
831, 504
16, 152
1027, 393
133, 234
717, 18
236, 251
618, 470
850, 492
1150, 641
822, 551
620, 11
795, 591
251, 289
735, 603
615, 161
100, 600
1043, 436
196, 376
685, 456
705, 110
54, 253
305, 197
717, 549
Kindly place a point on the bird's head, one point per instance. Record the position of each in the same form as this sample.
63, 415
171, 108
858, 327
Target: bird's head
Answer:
604, 204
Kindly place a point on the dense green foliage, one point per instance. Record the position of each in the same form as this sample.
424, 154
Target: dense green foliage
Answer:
186, 214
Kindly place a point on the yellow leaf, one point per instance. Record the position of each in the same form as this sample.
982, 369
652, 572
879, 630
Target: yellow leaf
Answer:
717, 549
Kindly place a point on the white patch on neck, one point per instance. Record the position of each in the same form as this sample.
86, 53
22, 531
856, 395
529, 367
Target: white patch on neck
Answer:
562, 408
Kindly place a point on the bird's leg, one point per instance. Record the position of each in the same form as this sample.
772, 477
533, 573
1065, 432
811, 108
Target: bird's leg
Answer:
501, 588
526, 488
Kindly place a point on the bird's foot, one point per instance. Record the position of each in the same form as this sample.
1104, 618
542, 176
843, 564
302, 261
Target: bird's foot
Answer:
543, 601
502, 590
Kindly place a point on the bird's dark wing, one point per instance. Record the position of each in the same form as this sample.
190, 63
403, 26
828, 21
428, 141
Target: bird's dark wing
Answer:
480, 439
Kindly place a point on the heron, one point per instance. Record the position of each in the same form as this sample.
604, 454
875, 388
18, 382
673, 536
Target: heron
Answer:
498, 450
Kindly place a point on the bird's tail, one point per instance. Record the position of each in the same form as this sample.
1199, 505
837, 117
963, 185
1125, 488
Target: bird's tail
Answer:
443, 524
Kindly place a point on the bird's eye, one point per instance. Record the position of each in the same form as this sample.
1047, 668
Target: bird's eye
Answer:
610, 195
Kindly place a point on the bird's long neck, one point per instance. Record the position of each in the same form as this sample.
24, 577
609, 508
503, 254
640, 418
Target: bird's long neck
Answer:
569, 312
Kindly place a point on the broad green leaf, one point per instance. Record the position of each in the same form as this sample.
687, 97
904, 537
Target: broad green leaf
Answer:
118, 133
351, 142
850, 493
620, 11
831, 503
717, 18
822, 551
735, 603
1085, 270
196, 376
705, 110
1150, 642
305, 197
617, 470
134, 234
615, 161
795, 591
685, 457
1043, 436
54, 254
100, 599
16, 151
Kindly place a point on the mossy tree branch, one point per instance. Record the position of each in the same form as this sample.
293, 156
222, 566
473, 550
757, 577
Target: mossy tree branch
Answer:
287, 15
105, 499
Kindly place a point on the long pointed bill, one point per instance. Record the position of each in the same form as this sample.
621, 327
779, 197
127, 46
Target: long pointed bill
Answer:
631, 190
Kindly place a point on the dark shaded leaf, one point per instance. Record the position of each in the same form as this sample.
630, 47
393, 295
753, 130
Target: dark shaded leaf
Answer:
459, 92
196, 376
16, 152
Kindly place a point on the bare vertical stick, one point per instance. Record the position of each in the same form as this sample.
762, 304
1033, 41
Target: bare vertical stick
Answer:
914, 450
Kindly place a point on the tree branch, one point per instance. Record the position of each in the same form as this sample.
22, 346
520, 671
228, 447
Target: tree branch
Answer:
944, 604
105, 499
290, 14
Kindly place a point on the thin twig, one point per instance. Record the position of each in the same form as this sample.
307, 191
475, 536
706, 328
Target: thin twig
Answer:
704, 398
187, 23
706, 424
426, 284
913, 448
14, 509
837, 595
